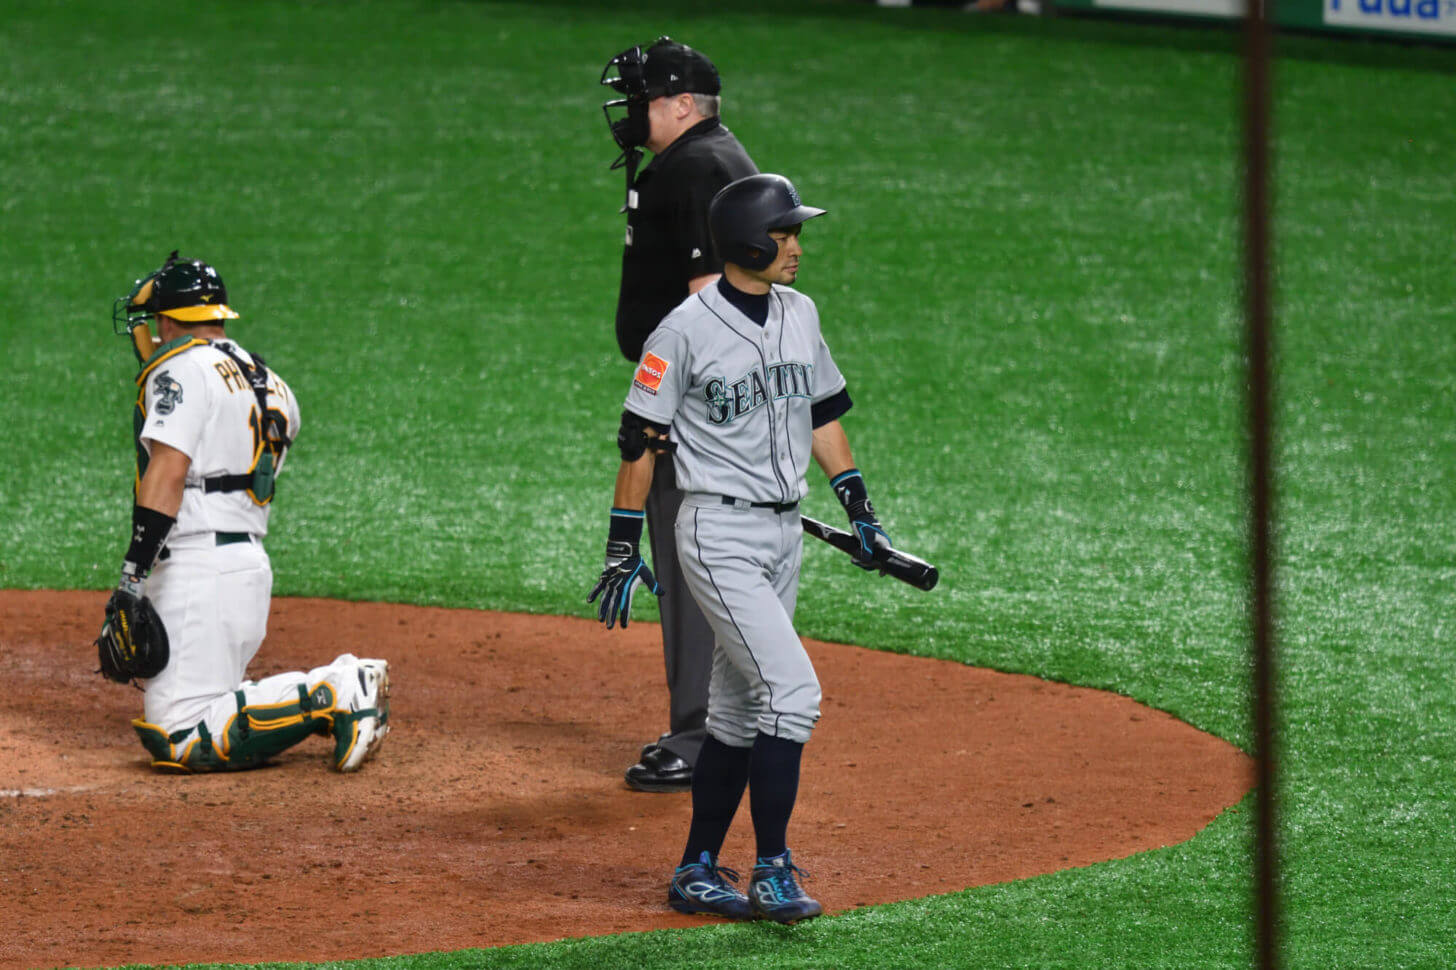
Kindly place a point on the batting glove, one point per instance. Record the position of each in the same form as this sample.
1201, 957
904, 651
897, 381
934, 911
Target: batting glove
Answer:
874, 542
624, 570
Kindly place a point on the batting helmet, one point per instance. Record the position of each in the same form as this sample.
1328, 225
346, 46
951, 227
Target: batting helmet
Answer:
187, 290
743, 212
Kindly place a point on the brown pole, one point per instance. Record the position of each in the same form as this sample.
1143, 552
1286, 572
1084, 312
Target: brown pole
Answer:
1261, 477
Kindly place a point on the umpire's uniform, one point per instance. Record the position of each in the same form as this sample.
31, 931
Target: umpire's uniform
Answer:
668, 245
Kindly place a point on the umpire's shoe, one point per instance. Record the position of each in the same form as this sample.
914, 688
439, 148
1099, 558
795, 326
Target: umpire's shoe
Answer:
702, 887
660, 771
361, 728
775, 894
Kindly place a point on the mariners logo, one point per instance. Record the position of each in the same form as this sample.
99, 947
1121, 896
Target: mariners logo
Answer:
168, 391
728, 400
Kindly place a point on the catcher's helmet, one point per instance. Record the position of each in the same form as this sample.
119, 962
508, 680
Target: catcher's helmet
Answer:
743, 212
187, 290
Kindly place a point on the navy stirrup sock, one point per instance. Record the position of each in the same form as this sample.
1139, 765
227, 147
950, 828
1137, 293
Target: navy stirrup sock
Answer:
773, 787
719, 777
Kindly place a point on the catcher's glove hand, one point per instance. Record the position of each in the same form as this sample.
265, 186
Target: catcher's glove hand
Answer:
133, 641
624, 570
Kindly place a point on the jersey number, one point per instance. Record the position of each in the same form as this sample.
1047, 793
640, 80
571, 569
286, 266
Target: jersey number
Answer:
270, 438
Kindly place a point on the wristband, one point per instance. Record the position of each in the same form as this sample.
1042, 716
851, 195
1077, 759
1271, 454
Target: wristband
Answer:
149, 529
849, 488
625, 531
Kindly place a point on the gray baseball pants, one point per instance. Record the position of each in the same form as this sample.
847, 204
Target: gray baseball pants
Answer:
742, 565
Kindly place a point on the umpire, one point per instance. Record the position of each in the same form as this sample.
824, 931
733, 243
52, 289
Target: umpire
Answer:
669, 105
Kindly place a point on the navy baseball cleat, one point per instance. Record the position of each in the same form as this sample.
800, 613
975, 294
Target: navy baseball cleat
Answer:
774, 893
702, 887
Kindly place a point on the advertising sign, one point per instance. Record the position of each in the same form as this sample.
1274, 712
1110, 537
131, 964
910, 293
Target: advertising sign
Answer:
1411, 16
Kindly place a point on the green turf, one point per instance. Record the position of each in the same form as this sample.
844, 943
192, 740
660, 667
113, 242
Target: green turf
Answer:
1028, 273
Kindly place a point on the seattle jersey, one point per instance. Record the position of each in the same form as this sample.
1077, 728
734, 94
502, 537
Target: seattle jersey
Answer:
196, 399
738, 396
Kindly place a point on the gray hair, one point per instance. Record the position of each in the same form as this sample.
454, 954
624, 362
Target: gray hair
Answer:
707, 104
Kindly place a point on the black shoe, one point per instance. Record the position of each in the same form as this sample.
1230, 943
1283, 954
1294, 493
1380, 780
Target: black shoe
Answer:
660, 771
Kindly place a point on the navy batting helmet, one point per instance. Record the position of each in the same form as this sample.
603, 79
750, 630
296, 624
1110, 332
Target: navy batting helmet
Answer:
743, 212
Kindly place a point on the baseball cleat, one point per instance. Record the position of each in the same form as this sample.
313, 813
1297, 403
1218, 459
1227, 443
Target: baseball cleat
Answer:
362, 728
774, 893
702, 887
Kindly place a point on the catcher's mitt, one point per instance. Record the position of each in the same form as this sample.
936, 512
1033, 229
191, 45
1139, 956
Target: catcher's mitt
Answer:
133, 641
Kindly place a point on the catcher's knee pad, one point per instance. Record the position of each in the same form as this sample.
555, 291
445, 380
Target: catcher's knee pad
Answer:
181, 752
161, 746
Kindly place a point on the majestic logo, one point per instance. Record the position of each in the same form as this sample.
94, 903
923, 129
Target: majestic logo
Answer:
753, 390
168, 391
651, 372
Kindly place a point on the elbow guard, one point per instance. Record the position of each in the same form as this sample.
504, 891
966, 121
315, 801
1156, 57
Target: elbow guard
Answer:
632, 439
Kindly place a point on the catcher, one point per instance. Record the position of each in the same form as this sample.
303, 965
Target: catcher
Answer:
213, 427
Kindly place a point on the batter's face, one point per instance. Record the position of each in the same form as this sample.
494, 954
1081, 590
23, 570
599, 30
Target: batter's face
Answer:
785, 267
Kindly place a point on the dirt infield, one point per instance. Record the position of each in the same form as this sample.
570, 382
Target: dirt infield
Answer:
496, 812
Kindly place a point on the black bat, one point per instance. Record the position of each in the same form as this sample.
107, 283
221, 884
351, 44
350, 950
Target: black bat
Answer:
903, 566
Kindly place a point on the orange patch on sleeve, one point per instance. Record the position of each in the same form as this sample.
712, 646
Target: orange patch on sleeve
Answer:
650, 372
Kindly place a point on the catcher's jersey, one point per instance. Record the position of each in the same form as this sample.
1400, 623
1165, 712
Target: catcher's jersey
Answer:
196, 399
737, 395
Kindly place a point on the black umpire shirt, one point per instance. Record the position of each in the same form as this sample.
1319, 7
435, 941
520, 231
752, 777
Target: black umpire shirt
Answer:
668, 242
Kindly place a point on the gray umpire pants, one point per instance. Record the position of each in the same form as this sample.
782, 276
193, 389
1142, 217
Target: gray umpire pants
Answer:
687, 639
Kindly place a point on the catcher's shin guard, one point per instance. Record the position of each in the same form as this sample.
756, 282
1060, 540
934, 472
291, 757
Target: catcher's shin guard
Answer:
253, 735
263, 730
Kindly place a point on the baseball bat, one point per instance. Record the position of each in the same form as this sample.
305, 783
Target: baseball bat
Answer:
901, 565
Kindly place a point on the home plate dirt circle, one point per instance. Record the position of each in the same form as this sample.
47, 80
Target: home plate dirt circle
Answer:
496, 813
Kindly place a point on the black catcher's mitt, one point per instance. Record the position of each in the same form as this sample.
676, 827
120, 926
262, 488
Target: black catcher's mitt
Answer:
133, 641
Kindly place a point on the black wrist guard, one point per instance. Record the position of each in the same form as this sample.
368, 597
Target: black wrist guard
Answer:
849, 488
149, 529
624, 534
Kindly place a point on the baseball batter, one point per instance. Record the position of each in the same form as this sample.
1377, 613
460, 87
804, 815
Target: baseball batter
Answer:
738, 383
213, 429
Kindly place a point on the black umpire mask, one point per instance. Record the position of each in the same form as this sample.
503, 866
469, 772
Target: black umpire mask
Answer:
630, 130
626, 74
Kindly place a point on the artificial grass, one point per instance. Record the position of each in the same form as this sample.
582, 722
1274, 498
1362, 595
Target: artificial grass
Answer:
1029, 274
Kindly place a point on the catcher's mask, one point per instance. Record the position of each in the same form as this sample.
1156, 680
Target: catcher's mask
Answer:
187, 290
666, 68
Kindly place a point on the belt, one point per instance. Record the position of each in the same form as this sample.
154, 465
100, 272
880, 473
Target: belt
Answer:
743, 503
220, 538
